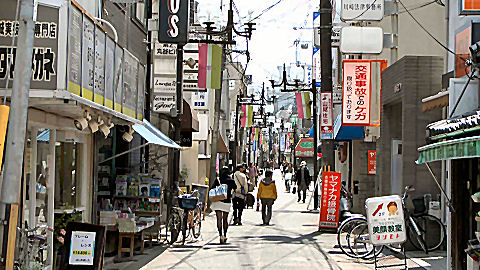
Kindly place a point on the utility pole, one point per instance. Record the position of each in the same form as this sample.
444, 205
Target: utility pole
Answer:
17, 125
394, 49
237, 137
328, 154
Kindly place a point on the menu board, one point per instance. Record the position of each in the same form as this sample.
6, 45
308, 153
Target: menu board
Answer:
82, 248
88, 52
118, 78
141, 91
109, 72
75, 51
99, 73
130, 71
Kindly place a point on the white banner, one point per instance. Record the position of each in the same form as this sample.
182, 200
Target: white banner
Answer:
356, 93
362, 10
326, 116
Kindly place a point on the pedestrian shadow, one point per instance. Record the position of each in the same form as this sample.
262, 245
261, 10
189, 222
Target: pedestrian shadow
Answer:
283, 239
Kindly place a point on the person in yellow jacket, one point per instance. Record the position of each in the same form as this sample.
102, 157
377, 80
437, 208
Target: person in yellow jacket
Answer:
267, 194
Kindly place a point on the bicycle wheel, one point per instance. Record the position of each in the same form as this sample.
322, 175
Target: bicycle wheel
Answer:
431, 230
359, 242
343, 232
172, 229
196, 222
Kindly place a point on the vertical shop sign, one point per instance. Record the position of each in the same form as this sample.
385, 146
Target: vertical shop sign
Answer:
88, 58
326, 125
372, 162
164, 77
44, 58
317, 66
99, 72
199, 100
118, 79
141, 91
130, 73
109, 72
82, 248
386, 223
74, 70
173, 23
356, 93
331, 185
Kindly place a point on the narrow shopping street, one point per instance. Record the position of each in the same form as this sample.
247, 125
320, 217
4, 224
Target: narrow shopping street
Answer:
291, 241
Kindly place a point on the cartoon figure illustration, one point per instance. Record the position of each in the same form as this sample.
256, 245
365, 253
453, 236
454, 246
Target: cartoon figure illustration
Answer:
392, 208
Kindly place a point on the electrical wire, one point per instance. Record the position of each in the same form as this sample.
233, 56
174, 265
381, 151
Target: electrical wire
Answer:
6, 59
426, 31
265, 11
470, 77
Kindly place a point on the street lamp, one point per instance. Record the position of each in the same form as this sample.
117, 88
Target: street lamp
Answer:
297, 84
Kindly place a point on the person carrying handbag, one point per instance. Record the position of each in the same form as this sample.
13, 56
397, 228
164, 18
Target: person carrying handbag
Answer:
239, 195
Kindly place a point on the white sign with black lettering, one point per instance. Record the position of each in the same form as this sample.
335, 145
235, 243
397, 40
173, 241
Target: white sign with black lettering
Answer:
163, 104
82, 248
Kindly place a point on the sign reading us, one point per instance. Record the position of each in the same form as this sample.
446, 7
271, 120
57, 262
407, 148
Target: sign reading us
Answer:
173, 21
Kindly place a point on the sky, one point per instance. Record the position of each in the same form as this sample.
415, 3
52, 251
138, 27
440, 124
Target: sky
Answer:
272, 44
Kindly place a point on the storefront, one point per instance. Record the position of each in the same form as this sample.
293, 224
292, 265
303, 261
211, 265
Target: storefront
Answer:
457, 141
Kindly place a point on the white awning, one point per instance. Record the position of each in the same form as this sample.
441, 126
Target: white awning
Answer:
154, 136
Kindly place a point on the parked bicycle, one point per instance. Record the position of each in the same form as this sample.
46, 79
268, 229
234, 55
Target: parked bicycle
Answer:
424, 231
32, 246
185, 218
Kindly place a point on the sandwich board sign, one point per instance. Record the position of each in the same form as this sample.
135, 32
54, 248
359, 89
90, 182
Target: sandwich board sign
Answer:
386, 222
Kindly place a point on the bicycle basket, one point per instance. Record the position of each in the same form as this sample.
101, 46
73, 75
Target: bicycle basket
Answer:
419, 205
187, 203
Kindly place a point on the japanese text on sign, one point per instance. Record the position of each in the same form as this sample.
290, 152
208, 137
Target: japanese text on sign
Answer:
43, 61
331, 186
356, 97
386, 224
82, 248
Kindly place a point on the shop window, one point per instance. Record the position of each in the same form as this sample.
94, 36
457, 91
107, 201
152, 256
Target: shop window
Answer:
65, 175
139, 11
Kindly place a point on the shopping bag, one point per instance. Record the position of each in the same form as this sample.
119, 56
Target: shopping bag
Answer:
218, 193
250, 187
258, 206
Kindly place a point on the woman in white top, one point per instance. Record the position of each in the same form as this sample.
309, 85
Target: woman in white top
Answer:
239, 195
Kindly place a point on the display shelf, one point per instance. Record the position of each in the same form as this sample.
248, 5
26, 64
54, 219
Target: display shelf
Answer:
134, 197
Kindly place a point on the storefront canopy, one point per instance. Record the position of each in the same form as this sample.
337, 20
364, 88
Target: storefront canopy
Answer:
154, 136
452, 149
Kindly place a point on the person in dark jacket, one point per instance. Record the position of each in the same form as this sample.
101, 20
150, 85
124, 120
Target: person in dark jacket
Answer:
222, 208
302, 177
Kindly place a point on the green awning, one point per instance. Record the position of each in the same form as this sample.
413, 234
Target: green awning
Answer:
452, 149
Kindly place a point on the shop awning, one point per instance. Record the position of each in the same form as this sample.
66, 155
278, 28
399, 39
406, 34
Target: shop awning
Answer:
452, 149
154, 136
346, 133
436, 101
189, 119
221, 146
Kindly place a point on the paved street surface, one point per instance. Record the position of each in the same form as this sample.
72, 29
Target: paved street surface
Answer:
292, 241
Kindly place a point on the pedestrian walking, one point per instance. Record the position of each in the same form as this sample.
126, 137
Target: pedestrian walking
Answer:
288, 176
252, 174
267, 194
239, 194
222, 208
302, 177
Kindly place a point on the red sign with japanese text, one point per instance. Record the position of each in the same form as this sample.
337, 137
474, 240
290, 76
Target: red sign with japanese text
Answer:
356, 93
331, 185
372, 161
326, 107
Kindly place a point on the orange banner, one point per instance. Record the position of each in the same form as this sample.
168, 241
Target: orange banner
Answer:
471, 5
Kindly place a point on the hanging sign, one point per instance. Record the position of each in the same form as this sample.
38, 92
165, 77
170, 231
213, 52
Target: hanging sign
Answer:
331, 185
326, 116
372, 162
304, 148
173, 21
362, 10
356, 93
386, 223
